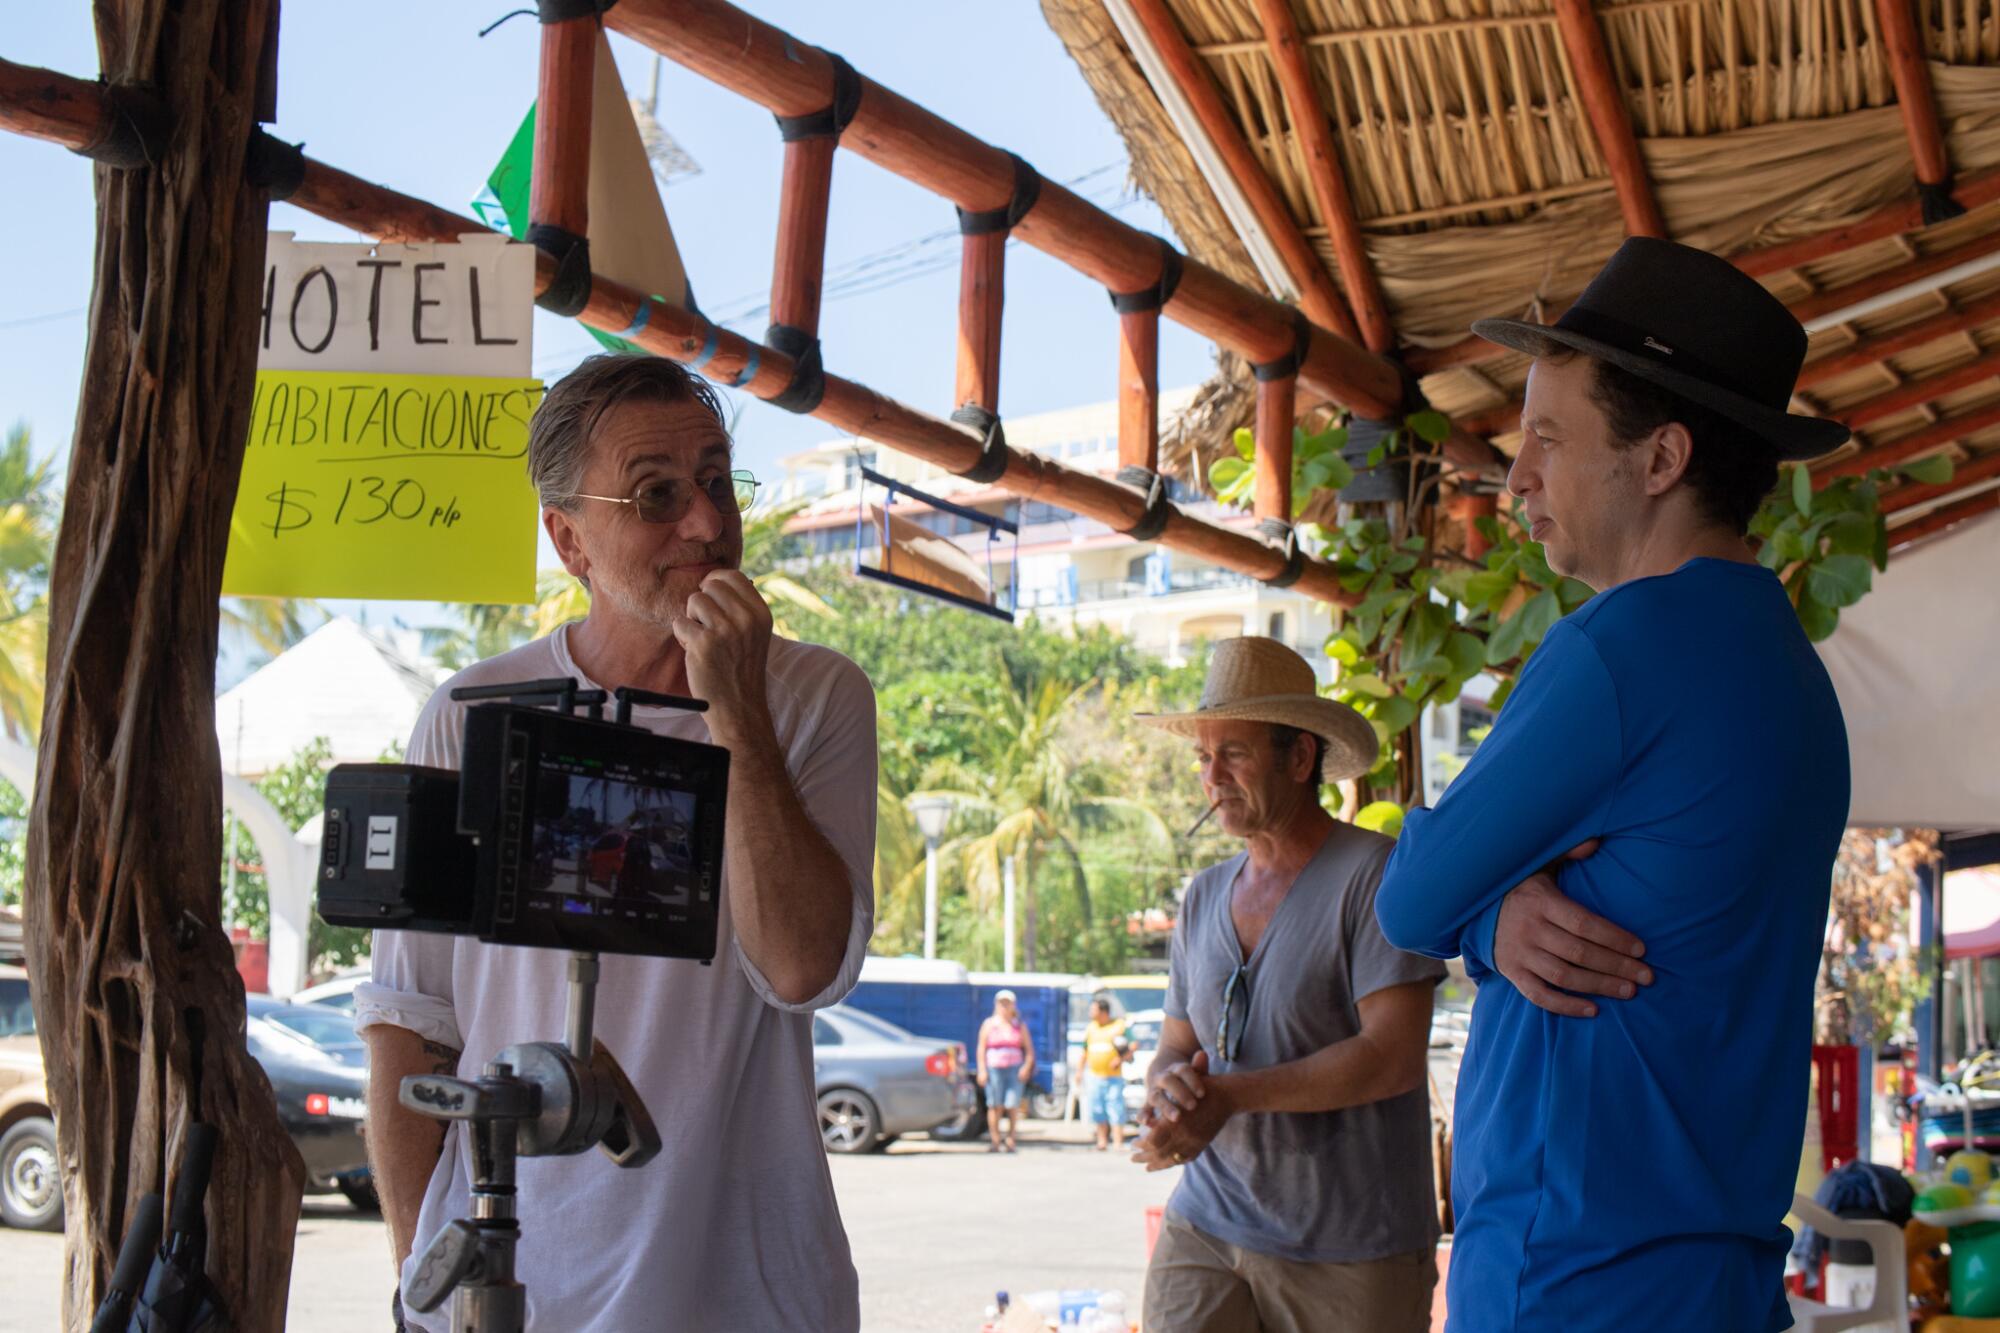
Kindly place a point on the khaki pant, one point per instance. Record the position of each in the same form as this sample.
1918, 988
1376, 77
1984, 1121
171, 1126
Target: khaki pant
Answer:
1198, 1284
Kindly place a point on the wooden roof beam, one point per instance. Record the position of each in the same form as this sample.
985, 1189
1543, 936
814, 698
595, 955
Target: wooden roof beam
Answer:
1610, 121
1939, 519
43, 104
1914, 445
1916, 393
788, 77
1903, 48
1317, 295
1473, 350
1820, 305
1985, 468
683, 336
1327, 175
1870, 351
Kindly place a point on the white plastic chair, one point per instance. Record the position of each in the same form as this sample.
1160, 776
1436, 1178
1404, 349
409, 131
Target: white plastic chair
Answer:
1891, 1306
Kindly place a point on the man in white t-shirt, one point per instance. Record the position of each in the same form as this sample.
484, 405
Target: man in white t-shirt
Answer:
733, 1226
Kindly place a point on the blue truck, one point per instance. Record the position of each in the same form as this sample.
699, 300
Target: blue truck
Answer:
940, 999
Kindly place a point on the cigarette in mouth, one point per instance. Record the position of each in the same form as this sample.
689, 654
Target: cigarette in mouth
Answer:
1203, 820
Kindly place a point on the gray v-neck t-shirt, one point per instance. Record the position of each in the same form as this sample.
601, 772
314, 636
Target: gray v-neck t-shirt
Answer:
1341, 1186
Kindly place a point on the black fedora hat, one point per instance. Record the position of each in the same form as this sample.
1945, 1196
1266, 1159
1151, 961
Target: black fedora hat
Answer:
1696, 325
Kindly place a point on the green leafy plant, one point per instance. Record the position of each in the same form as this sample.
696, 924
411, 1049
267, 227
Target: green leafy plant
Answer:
1828, 544
13, 844
1428, 620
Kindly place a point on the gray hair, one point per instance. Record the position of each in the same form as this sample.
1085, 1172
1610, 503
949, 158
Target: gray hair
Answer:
559, 432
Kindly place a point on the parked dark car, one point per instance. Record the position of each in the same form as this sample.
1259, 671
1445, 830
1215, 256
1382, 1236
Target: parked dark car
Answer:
876, 1082
332, 1030
321, 1102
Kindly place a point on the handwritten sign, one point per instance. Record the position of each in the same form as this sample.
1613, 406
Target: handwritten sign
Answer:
464, 308
363, 484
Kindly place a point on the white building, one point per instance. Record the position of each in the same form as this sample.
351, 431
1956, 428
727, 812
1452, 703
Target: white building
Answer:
1065, 569
340, 682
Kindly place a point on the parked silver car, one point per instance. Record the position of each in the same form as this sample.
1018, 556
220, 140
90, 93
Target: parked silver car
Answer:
876, 1081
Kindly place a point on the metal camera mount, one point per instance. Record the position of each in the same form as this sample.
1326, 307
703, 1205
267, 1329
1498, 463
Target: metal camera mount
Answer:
535, 1099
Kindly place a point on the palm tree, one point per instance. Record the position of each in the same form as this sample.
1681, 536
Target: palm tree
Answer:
30, 503
1043, 802
270, 624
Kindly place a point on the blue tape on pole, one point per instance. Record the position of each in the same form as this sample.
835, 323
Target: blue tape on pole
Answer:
639, 320
708, 347
749, 367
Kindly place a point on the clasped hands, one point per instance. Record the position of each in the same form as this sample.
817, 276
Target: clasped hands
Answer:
1185, 1108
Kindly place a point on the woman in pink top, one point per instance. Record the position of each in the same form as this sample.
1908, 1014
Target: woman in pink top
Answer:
1006, 1062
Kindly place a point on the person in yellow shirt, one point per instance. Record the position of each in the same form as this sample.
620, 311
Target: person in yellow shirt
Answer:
1101, 1067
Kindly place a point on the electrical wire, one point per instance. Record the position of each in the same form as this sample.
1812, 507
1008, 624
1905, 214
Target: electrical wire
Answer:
48, 318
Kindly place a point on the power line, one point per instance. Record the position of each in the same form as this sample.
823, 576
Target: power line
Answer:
48, 318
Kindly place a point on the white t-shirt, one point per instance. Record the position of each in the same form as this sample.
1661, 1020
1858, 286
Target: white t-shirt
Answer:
733, 1226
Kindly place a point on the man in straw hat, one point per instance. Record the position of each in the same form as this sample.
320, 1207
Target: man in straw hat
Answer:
1672, 760
1290, 1078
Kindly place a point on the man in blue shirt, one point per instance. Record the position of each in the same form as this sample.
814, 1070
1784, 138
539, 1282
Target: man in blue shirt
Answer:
1673, 761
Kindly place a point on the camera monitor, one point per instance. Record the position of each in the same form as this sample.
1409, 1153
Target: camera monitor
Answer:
558, 832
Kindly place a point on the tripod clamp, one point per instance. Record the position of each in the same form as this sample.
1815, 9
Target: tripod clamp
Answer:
534, 1099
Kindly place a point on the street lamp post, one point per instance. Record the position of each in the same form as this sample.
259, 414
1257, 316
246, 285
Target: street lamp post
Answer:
933, 813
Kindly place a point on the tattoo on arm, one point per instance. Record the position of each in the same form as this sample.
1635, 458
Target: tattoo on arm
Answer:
443, 1058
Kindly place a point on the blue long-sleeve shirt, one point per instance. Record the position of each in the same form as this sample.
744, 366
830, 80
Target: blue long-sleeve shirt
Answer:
1631, 1171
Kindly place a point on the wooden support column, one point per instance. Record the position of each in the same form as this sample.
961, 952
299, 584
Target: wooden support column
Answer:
1328, 176
1317, 295
559, 190
139, 1009
1139, 390
1604, 106
1272, 493
982, 292
1903, 47
1468, 507
805, 192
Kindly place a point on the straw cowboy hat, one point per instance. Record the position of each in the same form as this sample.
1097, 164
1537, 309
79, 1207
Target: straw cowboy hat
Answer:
1695, 325
1261, 680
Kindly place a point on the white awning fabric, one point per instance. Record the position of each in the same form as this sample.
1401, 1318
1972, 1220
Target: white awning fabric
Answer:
1917, 665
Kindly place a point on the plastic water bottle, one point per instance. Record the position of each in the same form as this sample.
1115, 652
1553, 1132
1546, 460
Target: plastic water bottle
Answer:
1067, 1308
1110, 1317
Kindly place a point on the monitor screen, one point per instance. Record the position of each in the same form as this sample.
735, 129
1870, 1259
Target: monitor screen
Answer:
609, 841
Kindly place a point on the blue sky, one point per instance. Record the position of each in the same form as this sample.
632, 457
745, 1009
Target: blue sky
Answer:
407, 94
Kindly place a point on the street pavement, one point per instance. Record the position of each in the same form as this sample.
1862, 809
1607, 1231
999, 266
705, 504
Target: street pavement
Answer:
936, 1229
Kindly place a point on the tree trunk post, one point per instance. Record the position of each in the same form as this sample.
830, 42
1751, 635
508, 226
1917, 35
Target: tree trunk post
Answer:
140, 1008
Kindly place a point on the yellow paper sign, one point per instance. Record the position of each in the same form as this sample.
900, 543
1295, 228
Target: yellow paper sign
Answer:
385, 486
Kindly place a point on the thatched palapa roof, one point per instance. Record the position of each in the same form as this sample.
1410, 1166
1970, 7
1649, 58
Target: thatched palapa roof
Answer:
1480, 180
